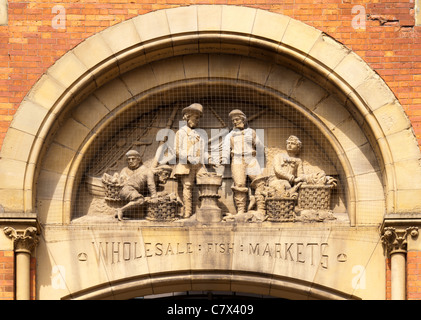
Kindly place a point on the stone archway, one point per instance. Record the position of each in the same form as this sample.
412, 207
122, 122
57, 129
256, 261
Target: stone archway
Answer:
73, 104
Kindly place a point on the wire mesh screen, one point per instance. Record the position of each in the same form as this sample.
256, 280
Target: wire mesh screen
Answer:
140, 168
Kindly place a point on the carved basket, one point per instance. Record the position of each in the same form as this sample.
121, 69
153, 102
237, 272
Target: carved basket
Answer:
314, 197
162, 210
112, 191
280, 209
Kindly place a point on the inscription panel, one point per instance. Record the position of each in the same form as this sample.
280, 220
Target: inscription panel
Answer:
97, 255
114, 252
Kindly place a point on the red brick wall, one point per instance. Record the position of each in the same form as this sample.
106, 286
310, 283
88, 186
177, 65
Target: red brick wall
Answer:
390, 43
7, 271
388, 280
413, 261
7, 276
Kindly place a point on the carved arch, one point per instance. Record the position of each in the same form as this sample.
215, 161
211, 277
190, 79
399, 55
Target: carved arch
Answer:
155, 39
242, 282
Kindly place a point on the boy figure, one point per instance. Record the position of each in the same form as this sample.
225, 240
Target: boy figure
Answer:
190, 149
241, 146
142, 183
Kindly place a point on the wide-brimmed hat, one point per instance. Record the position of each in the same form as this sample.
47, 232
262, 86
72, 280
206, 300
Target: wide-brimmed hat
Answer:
236, 112
195, 107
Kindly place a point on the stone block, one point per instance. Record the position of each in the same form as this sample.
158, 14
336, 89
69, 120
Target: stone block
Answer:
92, 51
328, 51
58, 158
17, 145
283, 80
370, 212
403, 145
308, 93
407, 201
3, 13
369, 187
67, 70
225, 66
139, 80
237, 19
392, 118
349, 134
300, 37
362, 159
331, 112
196, 66
51, 185
12, 174
182, 19
408, 174
46, 92
353, 70
375, 92
113, 94
168, 71
270, 25
72, 134
114, 38
254, 70
209, 18
12, 200
29, 117
152, 25
50, 211
90, 112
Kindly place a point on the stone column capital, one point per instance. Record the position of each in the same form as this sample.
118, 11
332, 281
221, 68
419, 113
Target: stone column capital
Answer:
395, 239
23, 240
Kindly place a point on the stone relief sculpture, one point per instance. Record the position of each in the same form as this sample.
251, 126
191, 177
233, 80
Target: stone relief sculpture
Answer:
240, 149
290, 184
140, 184
275, 186
190, 154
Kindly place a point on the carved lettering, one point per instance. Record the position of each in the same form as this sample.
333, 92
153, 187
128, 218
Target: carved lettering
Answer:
311, 253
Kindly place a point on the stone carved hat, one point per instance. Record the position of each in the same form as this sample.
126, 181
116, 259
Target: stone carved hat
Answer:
236, 112
195, 107
133, 153
164, 167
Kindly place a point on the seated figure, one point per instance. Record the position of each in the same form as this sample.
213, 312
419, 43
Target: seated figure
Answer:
141, 185
289, 172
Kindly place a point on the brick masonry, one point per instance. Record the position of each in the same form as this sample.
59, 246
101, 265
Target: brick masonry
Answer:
414, 275
7, 283
387, 39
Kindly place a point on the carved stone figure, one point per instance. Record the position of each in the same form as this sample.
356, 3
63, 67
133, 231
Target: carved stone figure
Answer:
114, 183
134, 161
240, 146
190, 149
141, 185
290, 182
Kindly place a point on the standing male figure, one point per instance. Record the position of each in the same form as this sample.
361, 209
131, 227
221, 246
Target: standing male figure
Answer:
190, 149
241, 146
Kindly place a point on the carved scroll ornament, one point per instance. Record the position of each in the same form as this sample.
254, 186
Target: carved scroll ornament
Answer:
395, 240
24, 241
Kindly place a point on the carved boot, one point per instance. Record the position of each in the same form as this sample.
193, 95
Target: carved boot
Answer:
240, 199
